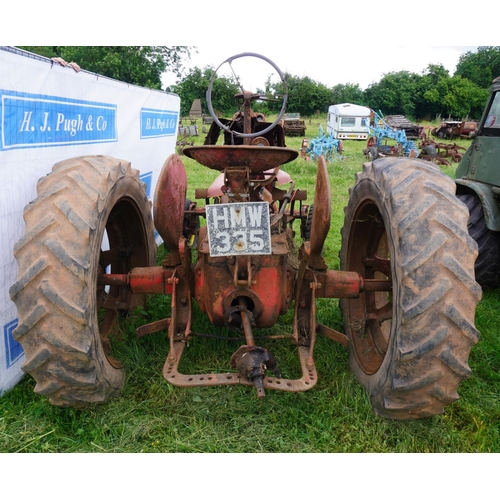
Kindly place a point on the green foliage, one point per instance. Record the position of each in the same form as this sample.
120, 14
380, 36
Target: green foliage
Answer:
465, 98
48, 52
439, 94
349, 92
395, 94
137, 65
195, 85
306, 96
480, 67
427, 96
432, 87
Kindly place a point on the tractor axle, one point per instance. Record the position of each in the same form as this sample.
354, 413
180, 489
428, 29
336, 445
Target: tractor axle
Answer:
333, 284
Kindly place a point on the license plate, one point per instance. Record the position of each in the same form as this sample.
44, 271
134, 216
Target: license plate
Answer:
238, 229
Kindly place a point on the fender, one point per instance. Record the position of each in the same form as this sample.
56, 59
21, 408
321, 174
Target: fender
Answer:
488, 198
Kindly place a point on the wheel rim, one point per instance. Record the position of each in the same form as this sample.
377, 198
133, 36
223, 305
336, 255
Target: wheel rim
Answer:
370, 316
124, 247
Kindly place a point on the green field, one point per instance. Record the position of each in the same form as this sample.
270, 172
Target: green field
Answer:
335, 416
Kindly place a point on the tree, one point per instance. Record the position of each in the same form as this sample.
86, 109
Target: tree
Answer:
195, 85
465, 99
396, 93
480, 67
440, 94
305, 96
349, 92
432, 86
137, 65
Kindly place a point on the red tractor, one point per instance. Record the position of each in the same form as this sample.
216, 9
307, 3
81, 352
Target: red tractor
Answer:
406, 285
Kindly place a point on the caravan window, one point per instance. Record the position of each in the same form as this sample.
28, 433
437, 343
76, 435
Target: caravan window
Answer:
348, 121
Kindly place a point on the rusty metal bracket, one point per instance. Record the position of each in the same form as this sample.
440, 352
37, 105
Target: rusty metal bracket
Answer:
171, 374
156, 326
333, 335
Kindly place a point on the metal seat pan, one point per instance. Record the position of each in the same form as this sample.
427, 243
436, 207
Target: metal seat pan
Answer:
256, 158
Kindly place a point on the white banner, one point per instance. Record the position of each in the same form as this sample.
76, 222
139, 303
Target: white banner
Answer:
49, 113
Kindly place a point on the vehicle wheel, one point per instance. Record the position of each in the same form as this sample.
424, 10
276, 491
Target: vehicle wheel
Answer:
429, 150
487, 266
409, 348
372, 153
86, 205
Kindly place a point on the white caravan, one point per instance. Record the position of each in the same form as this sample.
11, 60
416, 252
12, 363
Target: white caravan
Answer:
348, 121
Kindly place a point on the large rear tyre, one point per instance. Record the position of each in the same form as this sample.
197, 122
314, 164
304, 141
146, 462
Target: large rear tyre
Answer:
409, 348
487, 267
91, 216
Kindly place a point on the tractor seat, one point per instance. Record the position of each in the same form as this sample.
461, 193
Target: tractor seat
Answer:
257, 158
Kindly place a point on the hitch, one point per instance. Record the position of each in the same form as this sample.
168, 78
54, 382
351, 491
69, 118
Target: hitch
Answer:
253, 362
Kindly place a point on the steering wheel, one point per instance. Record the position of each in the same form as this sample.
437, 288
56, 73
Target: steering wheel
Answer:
209, 96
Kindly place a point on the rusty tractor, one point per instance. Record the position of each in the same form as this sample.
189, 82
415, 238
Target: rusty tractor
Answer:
451, 129
293, 125
406, 284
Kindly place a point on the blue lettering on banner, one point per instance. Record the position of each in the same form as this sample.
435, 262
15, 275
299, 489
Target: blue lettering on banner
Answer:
158, 123
33, 121
147, 178
13, 348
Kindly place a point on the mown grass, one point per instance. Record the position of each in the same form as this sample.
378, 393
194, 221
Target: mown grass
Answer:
335, 416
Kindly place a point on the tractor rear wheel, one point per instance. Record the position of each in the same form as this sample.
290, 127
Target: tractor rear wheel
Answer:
487, 266
91, 216
409, 348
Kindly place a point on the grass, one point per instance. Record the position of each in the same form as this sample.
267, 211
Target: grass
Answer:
152, 416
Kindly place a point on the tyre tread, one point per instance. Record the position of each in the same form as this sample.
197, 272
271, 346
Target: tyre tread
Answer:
438, 292
56, 326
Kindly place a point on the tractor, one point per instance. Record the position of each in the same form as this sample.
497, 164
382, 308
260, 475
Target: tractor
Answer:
406, 279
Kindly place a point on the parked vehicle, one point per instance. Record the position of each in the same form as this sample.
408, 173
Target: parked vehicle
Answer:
348, 121
478, 186
405, 283
293, 125
451, 129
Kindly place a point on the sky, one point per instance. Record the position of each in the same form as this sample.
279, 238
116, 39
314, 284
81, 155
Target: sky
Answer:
330, 42
352, 66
